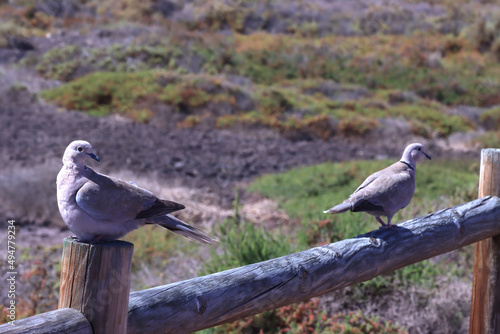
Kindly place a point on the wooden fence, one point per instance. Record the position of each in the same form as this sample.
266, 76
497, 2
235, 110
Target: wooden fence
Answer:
95, 278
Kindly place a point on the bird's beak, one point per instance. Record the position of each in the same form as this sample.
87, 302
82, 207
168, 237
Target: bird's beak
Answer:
93, 156
427, 156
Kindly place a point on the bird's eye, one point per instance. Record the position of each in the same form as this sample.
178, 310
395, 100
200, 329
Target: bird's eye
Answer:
420, 149
79, 149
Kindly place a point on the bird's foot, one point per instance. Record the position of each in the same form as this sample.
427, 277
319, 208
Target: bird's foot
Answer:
388, 227
96, 240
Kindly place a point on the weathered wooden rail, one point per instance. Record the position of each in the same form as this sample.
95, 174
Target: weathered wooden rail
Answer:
210, 300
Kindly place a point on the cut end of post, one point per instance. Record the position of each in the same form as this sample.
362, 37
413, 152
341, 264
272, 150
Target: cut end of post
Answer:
489, 174
114, 243
490, 155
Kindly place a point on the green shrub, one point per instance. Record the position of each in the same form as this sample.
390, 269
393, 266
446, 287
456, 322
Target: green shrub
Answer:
184, 96
104, 93
487, 32
491, 118
290, 110
20, 21
194, 92
128, 94
245, 243
434, 118
60, 63
357, 125
490, 139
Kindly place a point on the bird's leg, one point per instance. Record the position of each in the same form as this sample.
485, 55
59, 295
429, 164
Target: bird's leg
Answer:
387, 226
384, 225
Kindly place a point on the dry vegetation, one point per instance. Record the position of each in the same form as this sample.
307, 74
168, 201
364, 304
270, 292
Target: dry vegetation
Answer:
313, 76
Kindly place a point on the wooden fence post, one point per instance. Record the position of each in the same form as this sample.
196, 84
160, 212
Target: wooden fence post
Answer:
485, 303
95, 280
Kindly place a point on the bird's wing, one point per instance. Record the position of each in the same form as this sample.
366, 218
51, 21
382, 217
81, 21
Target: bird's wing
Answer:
388, 190
370, 179
112, 200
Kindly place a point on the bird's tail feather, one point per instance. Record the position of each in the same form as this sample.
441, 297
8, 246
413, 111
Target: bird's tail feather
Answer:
178, 226
343, 207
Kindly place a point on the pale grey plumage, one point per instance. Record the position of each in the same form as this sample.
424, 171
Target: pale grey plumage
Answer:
387, 191
96, 207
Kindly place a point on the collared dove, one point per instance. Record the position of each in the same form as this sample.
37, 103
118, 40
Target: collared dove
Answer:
96, 207
387, 191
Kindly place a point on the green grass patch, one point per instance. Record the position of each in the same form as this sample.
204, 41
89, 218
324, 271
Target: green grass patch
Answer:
302, 87
131, 94
21, 22
162, 257
244, 243
153, 245
70, 62
491, 118
104, 93
60, 63
377, 63
490, 139
290, 110
292, 107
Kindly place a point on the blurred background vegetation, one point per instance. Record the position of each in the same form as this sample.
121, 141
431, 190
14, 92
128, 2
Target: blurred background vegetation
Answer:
312, 70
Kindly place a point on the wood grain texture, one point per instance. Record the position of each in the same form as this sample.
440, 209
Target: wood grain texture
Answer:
485, 303
64, 320
207, 301
95, 280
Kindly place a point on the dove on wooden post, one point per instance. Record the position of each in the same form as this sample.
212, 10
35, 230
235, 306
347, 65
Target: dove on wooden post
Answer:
96, 207
387, 191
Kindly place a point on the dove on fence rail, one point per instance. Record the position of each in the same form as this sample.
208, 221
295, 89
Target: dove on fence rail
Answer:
387, 191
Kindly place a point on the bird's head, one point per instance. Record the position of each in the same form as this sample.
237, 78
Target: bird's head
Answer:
78, 151
413, 153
